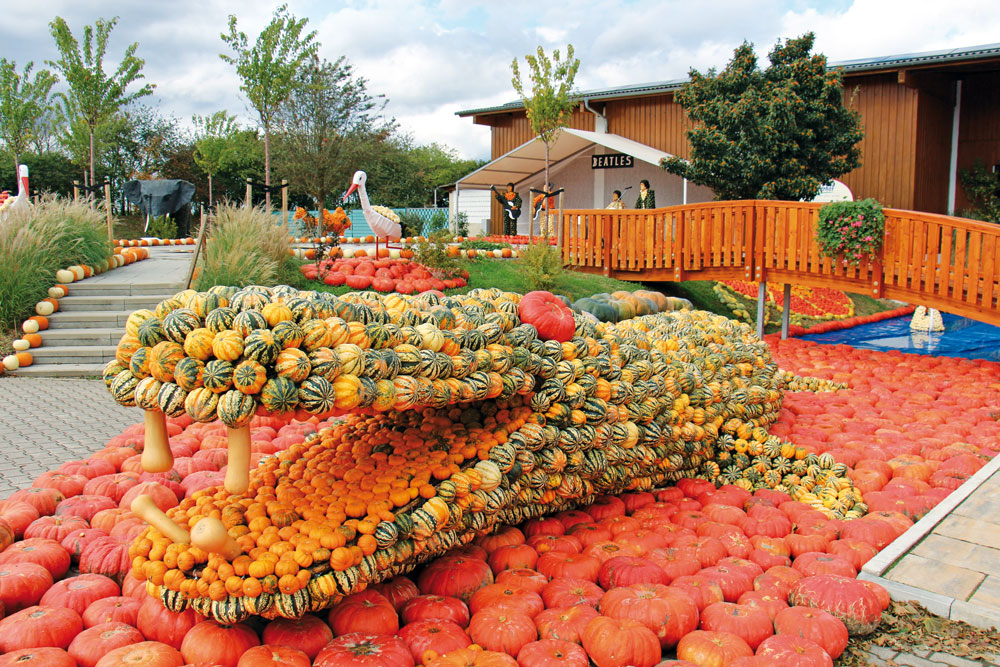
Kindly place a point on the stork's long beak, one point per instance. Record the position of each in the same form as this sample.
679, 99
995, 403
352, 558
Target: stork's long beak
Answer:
350, 190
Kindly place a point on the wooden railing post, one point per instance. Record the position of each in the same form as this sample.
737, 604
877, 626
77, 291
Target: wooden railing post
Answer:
76, 191
608, 242
678, 245
750, 244
878, 273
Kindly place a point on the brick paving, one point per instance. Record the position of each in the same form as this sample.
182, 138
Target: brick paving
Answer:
47, 421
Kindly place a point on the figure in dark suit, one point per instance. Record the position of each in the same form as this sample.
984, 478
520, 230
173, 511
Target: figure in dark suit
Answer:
647, 198
511, 203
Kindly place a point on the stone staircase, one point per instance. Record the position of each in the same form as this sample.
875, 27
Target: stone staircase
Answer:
82, 336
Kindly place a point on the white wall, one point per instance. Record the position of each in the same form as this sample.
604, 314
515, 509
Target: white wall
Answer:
476, 205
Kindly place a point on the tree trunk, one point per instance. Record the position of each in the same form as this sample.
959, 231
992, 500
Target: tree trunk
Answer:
92, 155
210, 191
267, 165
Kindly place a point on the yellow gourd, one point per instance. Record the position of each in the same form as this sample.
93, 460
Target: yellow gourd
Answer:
238, 465
156, 455
211, 535
144, 508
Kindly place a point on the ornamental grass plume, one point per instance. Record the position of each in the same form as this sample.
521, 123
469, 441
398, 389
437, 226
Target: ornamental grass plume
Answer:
245, 247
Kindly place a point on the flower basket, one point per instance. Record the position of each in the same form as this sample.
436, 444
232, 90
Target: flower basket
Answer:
851, 230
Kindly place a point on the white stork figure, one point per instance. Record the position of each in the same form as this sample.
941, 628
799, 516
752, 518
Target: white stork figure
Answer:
21, 201
381, 225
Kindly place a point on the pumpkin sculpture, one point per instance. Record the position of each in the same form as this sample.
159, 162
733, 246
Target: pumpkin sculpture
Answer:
457, 418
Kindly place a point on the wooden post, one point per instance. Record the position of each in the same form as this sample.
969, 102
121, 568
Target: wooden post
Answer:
761, 308
559, 220
76, 190
607, 243
248, 202
197, 249
284, 202
786, 313
107, 205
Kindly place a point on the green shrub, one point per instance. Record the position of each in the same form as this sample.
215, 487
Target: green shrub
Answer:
852, 228
411, 223
245, 247
541, 266
37, 242
162, 228
437, 222
433, 253
462, 223
982, 188
480, 244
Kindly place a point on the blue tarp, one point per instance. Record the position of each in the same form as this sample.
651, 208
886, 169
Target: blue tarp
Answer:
962, 337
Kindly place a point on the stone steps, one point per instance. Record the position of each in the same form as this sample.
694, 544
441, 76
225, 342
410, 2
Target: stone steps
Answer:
101, 302
82, 336
47, 370
109, 289
73, 354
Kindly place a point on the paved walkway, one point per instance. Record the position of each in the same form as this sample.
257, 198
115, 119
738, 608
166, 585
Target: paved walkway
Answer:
45, 422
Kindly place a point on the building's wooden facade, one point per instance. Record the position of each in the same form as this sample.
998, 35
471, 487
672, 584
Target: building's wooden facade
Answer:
907, 105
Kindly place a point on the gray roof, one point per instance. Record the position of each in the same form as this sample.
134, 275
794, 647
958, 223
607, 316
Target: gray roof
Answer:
948, 56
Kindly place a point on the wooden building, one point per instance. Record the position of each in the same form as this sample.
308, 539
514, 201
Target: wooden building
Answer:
925, 115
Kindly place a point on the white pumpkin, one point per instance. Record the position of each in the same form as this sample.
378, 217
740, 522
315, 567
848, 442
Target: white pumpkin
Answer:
11, 363
393, 253
44, 308
65, 276
29, 326
77, 271
21, 345
57, 292
348, 253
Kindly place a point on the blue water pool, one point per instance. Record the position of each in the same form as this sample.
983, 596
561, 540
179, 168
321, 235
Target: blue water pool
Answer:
962, 337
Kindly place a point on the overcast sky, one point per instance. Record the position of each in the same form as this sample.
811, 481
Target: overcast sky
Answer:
431, 59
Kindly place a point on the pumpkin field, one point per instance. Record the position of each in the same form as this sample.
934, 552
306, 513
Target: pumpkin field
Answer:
479, 480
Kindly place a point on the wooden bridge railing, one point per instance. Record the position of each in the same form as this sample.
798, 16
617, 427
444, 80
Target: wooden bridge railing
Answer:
934, 260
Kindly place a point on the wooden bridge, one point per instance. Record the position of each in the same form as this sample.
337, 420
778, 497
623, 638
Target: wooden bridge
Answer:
939, 261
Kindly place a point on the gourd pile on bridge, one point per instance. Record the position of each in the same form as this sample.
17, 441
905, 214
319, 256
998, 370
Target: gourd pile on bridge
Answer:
461, 414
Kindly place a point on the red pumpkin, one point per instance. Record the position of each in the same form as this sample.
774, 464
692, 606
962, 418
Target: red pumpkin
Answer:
855, 552
502, 629
107, 556
628, 570
702, 590
505, 536
38, 657
455, 577
552, 653
134, 588
568, 591
751, 624
548, 526
511, 557
876, 532
78, 540
551, 317
590, 533
272, 656
365, 650
144, 653
89, 468
668, 612
18, 515
157, 623
397, 591
162, 497
814, 562
791, 650
436, 608
118, 609
712, 649
22, 585
620, 642
214, 643
676, 561
367, 611
801, 544
708, 550
545, 543
78, 593
467, 551
67, 485
513, 598
531, 580
566, 623
733, 581
40, 551
36, 627
570, 518
437, 636
88, 647
815, 625
308, 634
643, 540
557, 564
848, 599
764, 600
55, 527
113, 486
43, 500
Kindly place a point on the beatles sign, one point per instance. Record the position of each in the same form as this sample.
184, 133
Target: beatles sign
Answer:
611, 161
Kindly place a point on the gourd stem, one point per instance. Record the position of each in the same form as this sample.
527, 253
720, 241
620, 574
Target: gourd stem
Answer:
238, 466
144, 508
156, 454
210, 534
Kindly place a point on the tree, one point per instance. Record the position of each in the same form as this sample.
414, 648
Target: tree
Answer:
550, 106
778, 133
324, 128
213, 143
268, 68
23, 103
95, 95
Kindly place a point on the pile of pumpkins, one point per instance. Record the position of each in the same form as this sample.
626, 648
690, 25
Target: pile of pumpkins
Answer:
622, 305
461, 413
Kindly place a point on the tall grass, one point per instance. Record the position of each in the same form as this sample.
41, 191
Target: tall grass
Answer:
245, 247
37, 242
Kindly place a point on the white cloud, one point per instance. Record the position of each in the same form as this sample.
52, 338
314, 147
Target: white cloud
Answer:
431, 59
